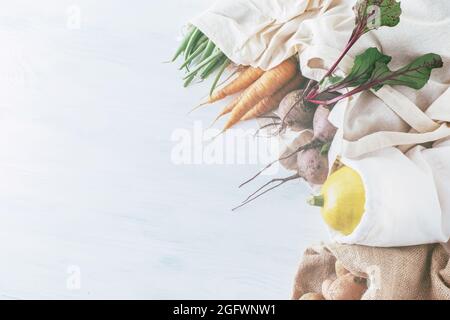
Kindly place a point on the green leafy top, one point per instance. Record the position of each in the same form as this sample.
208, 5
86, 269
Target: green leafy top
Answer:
414, 75
371, 71
361, 72
369, 15
364, 65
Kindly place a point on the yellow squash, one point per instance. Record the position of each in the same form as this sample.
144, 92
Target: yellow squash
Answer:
342, 200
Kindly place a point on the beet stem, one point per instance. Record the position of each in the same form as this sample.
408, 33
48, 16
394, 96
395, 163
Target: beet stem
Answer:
353, 39
265, 127
253, 196
313, 144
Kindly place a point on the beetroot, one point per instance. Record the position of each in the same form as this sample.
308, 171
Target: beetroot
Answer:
294, 113
290, 163
313, 166
323, 129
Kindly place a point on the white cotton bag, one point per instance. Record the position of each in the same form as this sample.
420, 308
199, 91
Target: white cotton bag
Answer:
260, 33
403, 205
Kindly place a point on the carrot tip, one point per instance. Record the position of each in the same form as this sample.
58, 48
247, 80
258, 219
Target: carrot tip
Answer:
221, 133
215, 120
197, 107
211, 125
192, 110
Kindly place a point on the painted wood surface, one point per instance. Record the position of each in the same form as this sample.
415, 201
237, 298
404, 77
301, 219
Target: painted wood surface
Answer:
91, 205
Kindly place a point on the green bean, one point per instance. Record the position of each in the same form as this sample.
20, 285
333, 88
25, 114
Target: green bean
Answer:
209, 50
199, 42
206, 54
183, 45
213, 58
210, 68
189, 80
192, 41
194, 55
202, 40
206, 71
223, 66
231, 75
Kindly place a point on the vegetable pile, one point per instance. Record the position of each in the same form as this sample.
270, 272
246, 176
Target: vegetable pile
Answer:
311, 107
298, 104
259, 91
345, 286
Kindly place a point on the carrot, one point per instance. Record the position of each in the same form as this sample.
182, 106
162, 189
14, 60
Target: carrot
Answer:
227, 109
245, 79
269, 83
268, 104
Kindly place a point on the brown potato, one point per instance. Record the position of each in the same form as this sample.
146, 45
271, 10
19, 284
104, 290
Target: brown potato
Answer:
340, 269
312, 296
347, 287
325, 288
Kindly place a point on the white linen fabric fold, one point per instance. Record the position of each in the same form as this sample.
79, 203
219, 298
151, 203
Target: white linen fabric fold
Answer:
408, 186
256, 32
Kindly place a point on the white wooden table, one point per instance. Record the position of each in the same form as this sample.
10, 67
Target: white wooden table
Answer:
91, 205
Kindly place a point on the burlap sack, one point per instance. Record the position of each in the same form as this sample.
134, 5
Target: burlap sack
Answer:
408, 273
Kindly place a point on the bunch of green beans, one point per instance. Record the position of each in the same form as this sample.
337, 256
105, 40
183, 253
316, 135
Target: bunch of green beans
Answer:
201, 58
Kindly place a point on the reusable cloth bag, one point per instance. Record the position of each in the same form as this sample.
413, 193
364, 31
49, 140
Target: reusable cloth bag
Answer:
408, 273
407, 186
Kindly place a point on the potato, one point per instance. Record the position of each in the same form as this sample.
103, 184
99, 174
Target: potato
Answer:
325, 288
340, 269
346, 287
312, 296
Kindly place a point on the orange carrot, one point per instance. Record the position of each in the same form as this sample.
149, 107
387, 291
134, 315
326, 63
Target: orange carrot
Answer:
269, 83
245, 79
226, 110
270, 103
